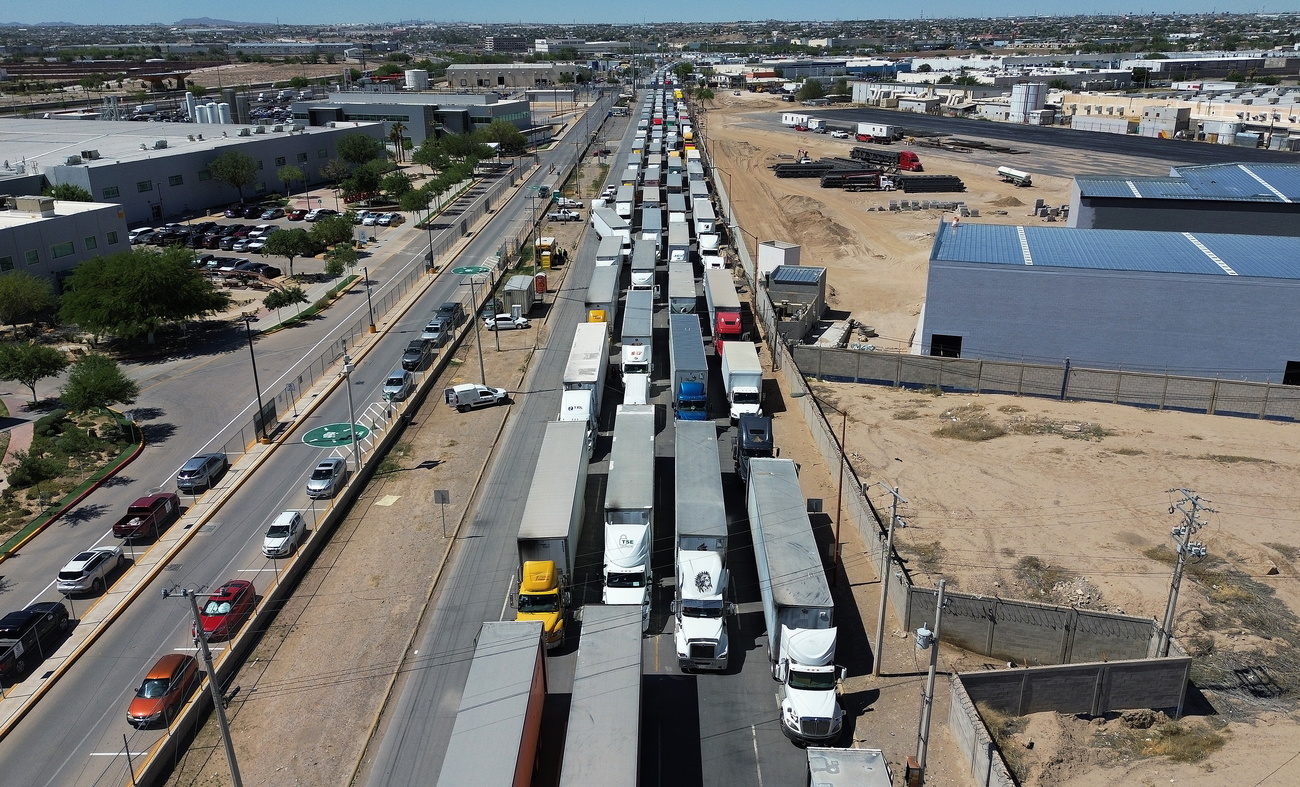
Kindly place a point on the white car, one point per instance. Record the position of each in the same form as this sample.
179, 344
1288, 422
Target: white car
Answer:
505, 322
840, 134
369, 219
284, 535
89, 571
137, 232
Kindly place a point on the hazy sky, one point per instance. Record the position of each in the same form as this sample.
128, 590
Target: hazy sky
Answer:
580, 11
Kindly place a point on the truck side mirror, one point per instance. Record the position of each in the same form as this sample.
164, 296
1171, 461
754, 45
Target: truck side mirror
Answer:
567, 598
842, 672
732, 608
776, 452
778, 671
672, 607
511, 598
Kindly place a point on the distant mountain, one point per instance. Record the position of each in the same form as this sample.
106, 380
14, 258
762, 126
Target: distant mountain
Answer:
207, 21
39, 24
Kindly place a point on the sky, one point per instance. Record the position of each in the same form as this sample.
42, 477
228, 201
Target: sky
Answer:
583, 11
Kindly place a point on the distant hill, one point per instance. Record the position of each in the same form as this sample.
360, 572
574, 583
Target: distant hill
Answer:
39, 24
207, 21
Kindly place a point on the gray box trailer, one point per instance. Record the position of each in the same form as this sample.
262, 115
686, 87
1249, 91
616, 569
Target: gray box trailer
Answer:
848, 768
553, 513
602, 292
689, 373
494, 740
602, 745
643, 266
701, 513
681, 288
636, 347
677, 202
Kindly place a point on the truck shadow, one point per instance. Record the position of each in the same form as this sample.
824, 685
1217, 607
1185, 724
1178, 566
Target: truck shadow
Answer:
670, 731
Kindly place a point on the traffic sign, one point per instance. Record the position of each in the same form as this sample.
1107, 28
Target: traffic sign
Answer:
334, 435
470, 270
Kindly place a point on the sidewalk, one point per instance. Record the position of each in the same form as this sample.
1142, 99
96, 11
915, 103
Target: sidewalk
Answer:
20, 426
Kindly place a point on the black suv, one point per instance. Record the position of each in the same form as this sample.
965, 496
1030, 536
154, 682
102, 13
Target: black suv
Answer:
418, 355
29, 636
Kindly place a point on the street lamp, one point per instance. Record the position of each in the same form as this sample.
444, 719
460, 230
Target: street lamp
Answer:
352, 417
473, 295
369, 306
259, 421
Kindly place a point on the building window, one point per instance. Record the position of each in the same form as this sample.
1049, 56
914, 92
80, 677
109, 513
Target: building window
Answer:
144, 185
322, 153
279, 161
111, 192
6, 263
112, 237
91, 243
33, 257
464, 82
175, 180
62, 249
204, 175
302, 158
945, 346
261, 165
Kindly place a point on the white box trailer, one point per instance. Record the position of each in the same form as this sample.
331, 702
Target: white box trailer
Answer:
701, 607
636, 345
629, 510
609, 224
588, 360
705, 219
876, 131
494, 740
797, 604
742, 379
643, 266
601, 747
677, 203
652, 197
679, 242
848, 768
624, 200
794, 119
681, 288
602, 294
609, 252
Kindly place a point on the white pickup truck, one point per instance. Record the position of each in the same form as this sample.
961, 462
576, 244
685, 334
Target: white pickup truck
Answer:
470, 395
564, 215
565, 202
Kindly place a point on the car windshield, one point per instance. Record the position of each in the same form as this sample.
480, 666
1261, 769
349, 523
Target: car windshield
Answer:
278, 531
153, 688
215, 607
811, 681
532, 604
394, 382
322, 473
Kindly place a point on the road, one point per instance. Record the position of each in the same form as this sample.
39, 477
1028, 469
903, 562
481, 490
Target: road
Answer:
75, 735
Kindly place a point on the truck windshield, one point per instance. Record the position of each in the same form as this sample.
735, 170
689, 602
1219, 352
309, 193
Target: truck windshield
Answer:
539, 603
811, 681
636, 368
702, 609
631, 580
746, 397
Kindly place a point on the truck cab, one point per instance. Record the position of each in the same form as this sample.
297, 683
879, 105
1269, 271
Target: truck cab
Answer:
691, 402
810, 708
753, 439
543, 597
700, 611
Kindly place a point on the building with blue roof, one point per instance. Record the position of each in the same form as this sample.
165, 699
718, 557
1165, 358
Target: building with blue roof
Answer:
1251, 198
1190, 303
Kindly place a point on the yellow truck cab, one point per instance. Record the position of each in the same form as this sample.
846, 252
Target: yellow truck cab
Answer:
541, 597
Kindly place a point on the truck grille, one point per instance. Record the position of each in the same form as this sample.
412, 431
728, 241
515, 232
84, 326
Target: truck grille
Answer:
815, 728
703, 650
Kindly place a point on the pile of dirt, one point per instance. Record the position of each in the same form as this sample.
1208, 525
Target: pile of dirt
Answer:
1007, 202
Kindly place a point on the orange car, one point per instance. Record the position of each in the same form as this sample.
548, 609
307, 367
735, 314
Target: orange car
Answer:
167, 685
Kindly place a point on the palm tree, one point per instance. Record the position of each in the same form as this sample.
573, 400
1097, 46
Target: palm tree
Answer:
395, 136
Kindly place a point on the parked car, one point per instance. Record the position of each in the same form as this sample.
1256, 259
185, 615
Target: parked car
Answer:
295, 215
840, 134
142, 236
255, 244
328, 477
262, 230
466, 396
319, 213
506, 322
564, 215
29, 635
201, 472
369, 219
166, 687
419, 352
399, 385
241, 244
565, 202
259, 268
272, 213
235, 211
284, 535
252, 211
226, 610
89, 571
395, 219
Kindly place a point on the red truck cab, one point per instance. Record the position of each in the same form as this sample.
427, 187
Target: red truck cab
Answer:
148, 516
727, 329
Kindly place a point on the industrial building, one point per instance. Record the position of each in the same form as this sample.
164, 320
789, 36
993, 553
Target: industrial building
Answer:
48, 237
1244, 198
1186, 303
158, 171
489, 76
423, 114
798, 293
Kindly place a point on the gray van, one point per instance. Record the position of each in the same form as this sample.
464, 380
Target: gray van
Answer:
201, 472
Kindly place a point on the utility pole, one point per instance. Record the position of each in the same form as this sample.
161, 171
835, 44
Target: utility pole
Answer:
885, 563
217, 700
1190, 505
928, 639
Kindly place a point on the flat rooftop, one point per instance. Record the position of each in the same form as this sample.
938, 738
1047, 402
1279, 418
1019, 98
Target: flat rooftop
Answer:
1218, 182
18, 217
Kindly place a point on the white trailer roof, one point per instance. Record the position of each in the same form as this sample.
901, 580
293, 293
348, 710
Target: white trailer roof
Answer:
632, 459
847, 768
602, 744
681, 280
778, 522
603, 287
587, 353
700, 508
559, 476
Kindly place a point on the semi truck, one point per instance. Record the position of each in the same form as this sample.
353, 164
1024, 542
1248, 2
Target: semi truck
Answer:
548, 532
797, 604
643, 266
624, 200
601, 746
602, 294
681, 288
689, 368
705, 218
584, 377
494, 740
753, 440
901, 160
609, 252
876, 132
519, 291
742, 379
1009, 175
679, 241
629, 510
700, 607
724, 307
636, 346
609, 224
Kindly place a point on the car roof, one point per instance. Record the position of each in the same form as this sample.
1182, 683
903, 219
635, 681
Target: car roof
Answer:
166, 666
233, 586
332, 461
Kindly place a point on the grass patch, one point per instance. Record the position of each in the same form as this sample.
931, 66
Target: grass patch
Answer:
1232, 459
928, 557
1129, 451
1187, 740
1286, 550
1071, 430
1002, 728
598, 182
1007, 552
1011, 409
1039, 576
1194, 437
908, 414
969, 422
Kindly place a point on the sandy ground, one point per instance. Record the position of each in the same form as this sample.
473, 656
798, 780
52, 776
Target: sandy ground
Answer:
1083, 488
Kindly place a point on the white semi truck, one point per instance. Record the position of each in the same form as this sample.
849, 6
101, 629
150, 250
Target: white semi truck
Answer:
635, 351
742, 379
700, 607
584, 377
797, 604
629, 510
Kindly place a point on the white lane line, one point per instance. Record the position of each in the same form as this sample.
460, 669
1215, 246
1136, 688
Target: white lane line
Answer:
505, 602
758, 767
256, 570
107, 753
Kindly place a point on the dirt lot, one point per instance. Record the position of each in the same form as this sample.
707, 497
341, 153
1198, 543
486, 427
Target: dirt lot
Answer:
1059, 501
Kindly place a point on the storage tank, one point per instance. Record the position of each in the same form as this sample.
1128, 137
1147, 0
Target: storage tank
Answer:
417, 79
1026, 97
223, 113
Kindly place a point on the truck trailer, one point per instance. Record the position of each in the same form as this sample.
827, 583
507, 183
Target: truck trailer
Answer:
797, 604
601, 746
679, 241
636, 346
624, 200
602, 294
876, 132
705, 218
629, 510
689, 374
494, 740
700, 608
742, 379
608, 223
724, 307
901, 160
643, 266
681, 288
548, 532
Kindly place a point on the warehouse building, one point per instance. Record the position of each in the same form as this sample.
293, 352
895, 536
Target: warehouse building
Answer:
1213, 305
1250, 199
491, 76
48, 237
423, 114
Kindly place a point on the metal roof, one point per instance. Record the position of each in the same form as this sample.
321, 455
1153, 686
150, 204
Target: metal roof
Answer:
1262, 256
783, 537
632, 459
601, 746
559, 475
797, 274
1252, 182
698, 476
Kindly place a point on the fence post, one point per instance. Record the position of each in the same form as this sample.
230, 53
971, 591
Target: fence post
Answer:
1214, 395
1020, 381
1263, 407
1065, 378
1119, 377
979, 377
1164, 393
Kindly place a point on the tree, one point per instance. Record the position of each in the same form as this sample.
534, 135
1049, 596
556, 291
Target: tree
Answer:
288, 174
29, 469
330, 230
811, 89
290, 243
333, 267
396, 184
97, 381
415, 200
28, 363
22, 297
395, 132
234, 168
503, 132
924, 68
357, 149
842, 87
683, 70
298, 82
132, 293
284, 296
345, 254
68, 192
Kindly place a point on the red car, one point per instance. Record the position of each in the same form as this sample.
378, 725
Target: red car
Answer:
164, 691
295, 215
227, 608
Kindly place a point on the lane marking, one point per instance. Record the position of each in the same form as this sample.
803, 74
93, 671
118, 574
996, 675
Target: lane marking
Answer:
758, 766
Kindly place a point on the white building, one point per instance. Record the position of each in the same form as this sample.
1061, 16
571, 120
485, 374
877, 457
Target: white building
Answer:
48, 237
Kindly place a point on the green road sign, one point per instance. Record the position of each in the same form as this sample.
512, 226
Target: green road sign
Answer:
334, 435
470, 270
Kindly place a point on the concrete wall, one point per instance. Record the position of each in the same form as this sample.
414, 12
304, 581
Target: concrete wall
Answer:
1139, 389
972, 736
1093, 689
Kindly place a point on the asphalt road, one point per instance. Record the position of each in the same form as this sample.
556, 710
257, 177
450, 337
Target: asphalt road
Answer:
75, 735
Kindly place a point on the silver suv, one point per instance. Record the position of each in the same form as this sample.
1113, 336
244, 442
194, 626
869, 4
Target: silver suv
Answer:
201, 472
328, 477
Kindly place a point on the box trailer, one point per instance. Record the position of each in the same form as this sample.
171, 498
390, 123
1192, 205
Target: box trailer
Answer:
797, 604
700, 607
519, 291
724, 307
1009, 175
608, 224
609, 252
848, 768
869, 132
588, 360
679, 241
636, 345
742, 379
629, 510
653, 174
602, 294
689, 368
705, 219
494, 739
643, 266
624, 200
681, 288
652, 227
652, 197
677, 203
601, 746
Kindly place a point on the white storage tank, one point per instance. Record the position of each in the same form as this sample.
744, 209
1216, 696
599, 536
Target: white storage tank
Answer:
223, 113
417, 79
1027, 97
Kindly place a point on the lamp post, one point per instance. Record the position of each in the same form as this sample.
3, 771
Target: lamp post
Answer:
259, 421
352, 417
473, 295
369, 306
